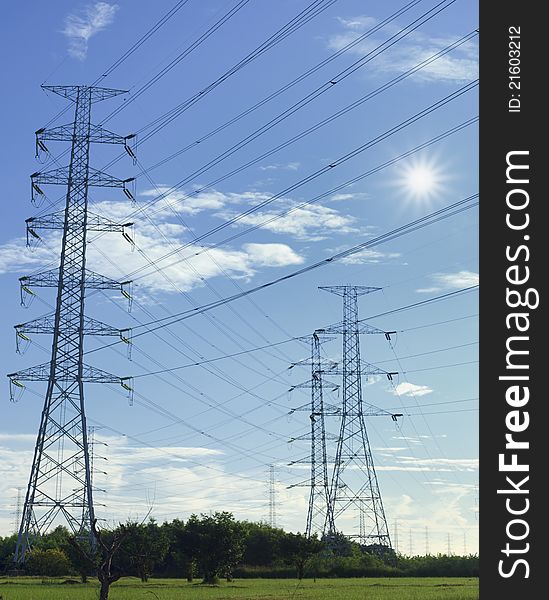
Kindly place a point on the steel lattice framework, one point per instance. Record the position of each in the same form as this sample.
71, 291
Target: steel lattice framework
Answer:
60, 483
320, 519
354, 488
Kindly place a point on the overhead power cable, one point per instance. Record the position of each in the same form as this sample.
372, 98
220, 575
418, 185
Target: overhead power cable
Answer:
301, 205
311, 11
295, 81
135, 46
303, 17
417, 224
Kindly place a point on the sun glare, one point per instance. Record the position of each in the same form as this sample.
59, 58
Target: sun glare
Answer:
421, 181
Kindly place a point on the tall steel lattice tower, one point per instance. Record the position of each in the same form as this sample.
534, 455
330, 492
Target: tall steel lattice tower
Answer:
320, 518
60, 483
272, 496
354, 490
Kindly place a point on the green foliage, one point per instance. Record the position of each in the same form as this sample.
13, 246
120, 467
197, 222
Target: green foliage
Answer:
7, 551
52, 562
298, 549
144, 546
81, 561
218, 544
440, 565
214, 546
262, 545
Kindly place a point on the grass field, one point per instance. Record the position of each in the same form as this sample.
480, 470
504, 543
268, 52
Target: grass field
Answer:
441, 588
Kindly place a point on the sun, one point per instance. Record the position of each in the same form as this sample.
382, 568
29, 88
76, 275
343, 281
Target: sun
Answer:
422, 181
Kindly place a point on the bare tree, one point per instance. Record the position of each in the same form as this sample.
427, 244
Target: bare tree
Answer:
105, 572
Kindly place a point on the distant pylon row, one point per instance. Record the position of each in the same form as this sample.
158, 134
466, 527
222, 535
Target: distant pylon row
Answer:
349, 492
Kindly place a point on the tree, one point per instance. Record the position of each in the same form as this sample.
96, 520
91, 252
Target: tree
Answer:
82, 561
7, 550
52, 562
219, 543
108, 546
262, 544
185, 545
145, 545
297, 549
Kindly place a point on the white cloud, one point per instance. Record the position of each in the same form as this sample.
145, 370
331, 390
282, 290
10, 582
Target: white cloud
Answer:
14, 257
81, 26
174, 481
272, 255
292, 166
359, 23
343, 197
184, 203
410, 389
182, 271
313, 222
451, 281
413, 464
431, 517
310, 222
457, 66
369, 256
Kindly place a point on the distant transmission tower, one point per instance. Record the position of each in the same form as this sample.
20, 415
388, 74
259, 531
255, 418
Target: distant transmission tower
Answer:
320, 518
355, 488
17, 513
410, 543
272, 496
60, 484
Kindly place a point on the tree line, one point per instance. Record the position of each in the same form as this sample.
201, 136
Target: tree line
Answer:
214, 546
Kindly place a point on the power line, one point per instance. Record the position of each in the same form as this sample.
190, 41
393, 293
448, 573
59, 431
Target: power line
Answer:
311, 11
329, 192
287, 112
423, 302
164, 19
289, 85
429, 219
294, 24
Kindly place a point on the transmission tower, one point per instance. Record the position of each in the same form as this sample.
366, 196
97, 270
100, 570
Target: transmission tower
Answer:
60, 484
354, 487
272, 496
410, 543
320, 518
17, 513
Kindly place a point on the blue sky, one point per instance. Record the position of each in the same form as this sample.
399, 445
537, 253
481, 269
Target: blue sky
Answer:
202, 438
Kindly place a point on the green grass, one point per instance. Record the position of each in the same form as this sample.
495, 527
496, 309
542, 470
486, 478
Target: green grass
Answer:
433, 588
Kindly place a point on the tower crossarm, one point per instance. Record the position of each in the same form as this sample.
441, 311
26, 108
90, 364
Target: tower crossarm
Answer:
46, 324
72, 92
56, 221
60, 176
343, 290
367, 369
363, 328
311, 383
329, 410
93, 280
89, 375
64, 133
